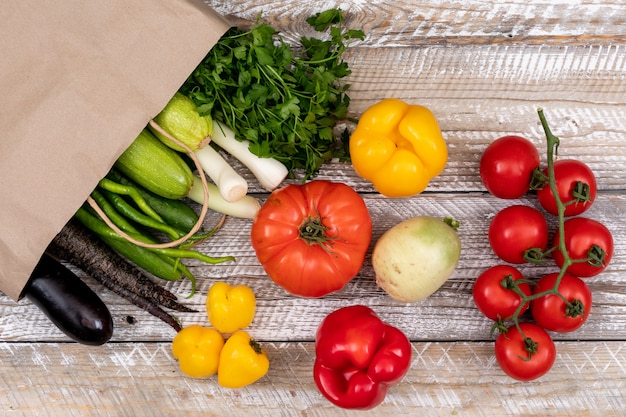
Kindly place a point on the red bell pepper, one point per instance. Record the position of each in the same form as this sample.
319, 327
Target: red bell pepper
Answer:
358, 357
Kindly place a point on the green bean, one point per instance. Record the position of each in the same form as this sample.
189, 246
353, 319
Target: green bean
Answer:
147, 259
192, 254
119, 220
176, 213
171, 255
131, 213
200, 237
105, 230
158, 264
94, 222
117, 188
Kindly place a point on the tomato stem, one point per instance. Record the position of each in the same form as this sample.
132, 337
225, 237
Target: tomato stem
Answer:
553, 146
581, 193
538, 179
314, 232
499, 326
530, 346
595, 256
535, 255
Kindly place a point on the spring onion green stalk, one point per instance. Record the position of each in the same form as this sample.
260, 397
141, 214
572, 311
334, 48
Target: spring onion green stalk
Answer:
268, 171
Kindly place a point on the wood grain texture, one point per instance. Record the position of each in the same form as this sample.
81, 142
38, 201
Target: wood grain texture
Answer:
407, 23
483, 67
446, 379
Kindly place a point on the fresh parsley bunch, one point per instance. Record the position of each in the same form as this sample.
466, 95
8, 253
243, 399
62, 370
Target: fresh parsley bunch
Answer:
285, 100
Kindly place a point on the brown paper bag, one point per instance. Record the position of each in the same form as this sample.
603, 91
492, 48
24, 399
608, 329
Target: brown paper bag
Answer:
79, 80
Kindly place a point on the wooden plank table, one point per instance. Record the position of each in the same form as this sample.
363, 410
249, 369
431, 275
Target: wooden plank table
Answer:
483, 67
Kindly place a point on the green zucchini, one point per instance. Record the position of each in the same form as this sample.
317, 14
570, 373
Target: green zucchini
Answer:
180, 118
153, 165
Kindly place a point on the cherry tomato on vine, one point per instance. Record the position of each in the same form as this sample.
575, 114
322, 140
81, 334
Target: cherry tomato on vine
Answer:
506, 166
525, 356
312, 238
585, 239
494, 293
554, 314
576, 186
516, 230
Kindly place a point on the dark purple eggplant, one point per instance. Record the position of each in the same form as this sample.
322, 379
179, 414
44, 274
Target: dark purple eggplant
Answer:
69, 303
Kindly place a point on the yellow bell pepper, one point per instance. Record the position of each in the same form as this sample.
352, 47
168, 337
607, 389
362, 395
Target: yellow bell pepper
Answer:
229, 307
198, 349
398, 147
242, 361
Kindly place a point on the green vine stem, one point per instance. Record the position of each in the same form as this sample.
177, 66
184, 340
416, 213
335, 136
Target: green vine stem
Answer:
553, 145
552, 153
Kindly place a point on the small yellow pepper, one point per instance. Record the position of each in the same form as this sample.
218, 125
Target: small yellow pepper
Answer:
229, 307
242, 361
398, 147
198, 349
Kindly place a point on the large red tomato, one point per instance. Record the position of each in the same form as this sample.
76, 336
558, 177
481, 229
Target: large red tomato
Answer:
312, 238
575, 185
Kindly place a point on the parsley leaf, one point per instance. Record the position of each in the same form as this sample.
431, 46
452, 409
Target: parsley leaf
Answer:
285, 100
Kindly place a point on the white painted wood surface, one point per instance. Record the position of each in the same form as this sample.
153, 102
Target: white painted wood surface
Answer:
483, 67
